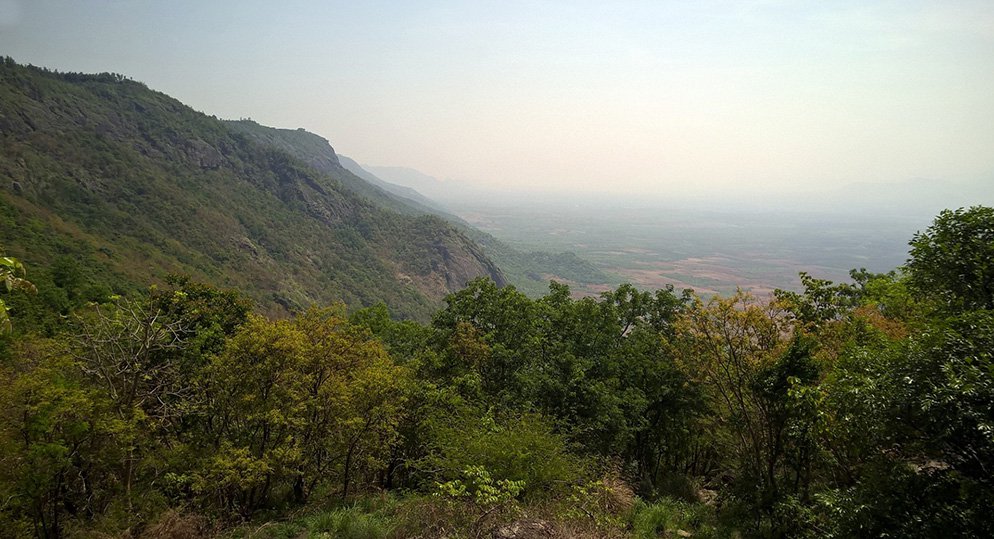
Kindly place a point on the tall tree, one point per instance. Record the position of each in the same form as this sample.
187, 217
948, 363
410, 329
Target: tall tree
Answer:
953, 260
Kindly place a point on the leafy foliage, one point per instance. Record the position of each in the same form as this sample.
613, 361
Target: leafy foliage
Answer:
12, 274
953, 261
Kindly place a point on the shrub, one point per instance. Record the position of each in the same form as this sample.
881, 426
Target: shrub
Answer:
518, 449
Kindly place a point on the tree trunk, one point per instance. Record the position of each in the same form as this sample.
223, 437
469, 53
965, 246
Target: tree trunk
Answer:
347, 474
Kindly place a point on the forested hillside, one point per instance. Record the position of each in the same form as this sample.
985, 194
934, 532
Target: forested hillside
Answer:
103, 176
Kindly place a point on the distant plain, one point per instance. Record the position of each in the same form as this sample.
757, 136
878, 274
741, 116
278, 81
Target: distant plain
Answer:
710, 251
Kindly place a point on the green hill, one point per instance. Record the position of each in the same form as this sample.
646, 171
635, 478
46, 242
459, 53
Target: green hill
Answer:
101, 173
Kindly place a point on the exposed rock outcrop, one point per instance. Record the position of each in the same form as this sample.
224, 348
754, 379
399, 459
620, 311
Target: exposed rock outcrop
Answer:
203, 155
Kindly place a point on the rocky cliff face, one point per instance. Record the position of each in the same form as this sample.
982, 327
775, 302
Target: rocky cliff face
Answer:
443, 260
440, 260
135, 184
314, 150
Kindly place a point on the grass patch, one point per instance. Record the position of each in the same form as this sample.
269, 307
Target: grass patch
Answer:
668, 517
354, 522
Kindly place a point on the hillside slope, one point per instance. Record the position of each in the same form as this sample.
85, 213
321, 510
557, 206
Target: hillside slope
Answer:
530, 271
103, 170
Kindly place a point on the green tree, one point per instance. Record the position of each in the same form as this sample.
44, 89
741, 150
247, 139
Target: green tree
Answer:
745, 356
132, 353
907, 434
59, 446
98, 421
822, 301
522, 448
293, 404
953, 260
12, 274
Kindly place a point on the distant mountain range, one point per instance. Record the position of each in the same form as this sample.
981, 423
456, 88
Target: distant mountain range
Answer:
415, 179
410, 196
917, 196
529, 270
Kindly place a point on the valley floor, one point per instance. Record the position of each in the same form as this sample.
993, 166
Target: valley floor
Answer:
711, 252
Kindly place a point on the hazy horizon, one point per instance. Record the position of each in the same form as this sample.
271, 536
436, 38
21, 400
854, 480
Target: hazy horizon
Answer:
914, 201
640, 99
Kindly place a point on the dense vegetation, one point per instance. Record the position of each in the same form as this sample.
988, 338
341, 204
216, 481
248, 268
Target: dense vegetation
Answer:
126, 184
848, 409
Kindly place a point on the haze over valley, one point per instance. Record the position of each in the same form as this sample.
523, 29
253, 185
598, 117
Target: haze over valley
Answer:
758, 242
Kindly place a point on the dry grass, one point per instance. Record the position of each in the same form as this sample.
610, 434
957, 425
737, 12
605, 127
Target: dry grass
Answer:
617, 497
175, 525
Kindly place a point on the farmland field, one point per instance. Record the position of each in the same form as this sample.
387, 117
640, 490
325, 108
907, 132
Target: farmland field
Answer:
708, 251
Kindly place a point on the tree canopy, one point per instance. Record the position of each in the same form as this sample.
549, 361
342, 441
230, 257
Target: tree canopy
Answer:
838, 410
953, 260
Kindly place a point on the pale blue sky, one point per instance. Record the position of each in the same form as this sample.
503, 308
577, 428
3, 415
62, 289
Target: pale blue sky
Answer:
632, 97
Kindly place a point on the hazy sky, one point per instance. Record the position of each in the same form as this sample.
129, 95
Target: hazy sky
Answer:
635, 97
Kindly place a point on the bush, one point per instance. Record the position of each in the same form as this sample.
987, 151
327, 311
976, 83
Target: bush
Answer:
517, 448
